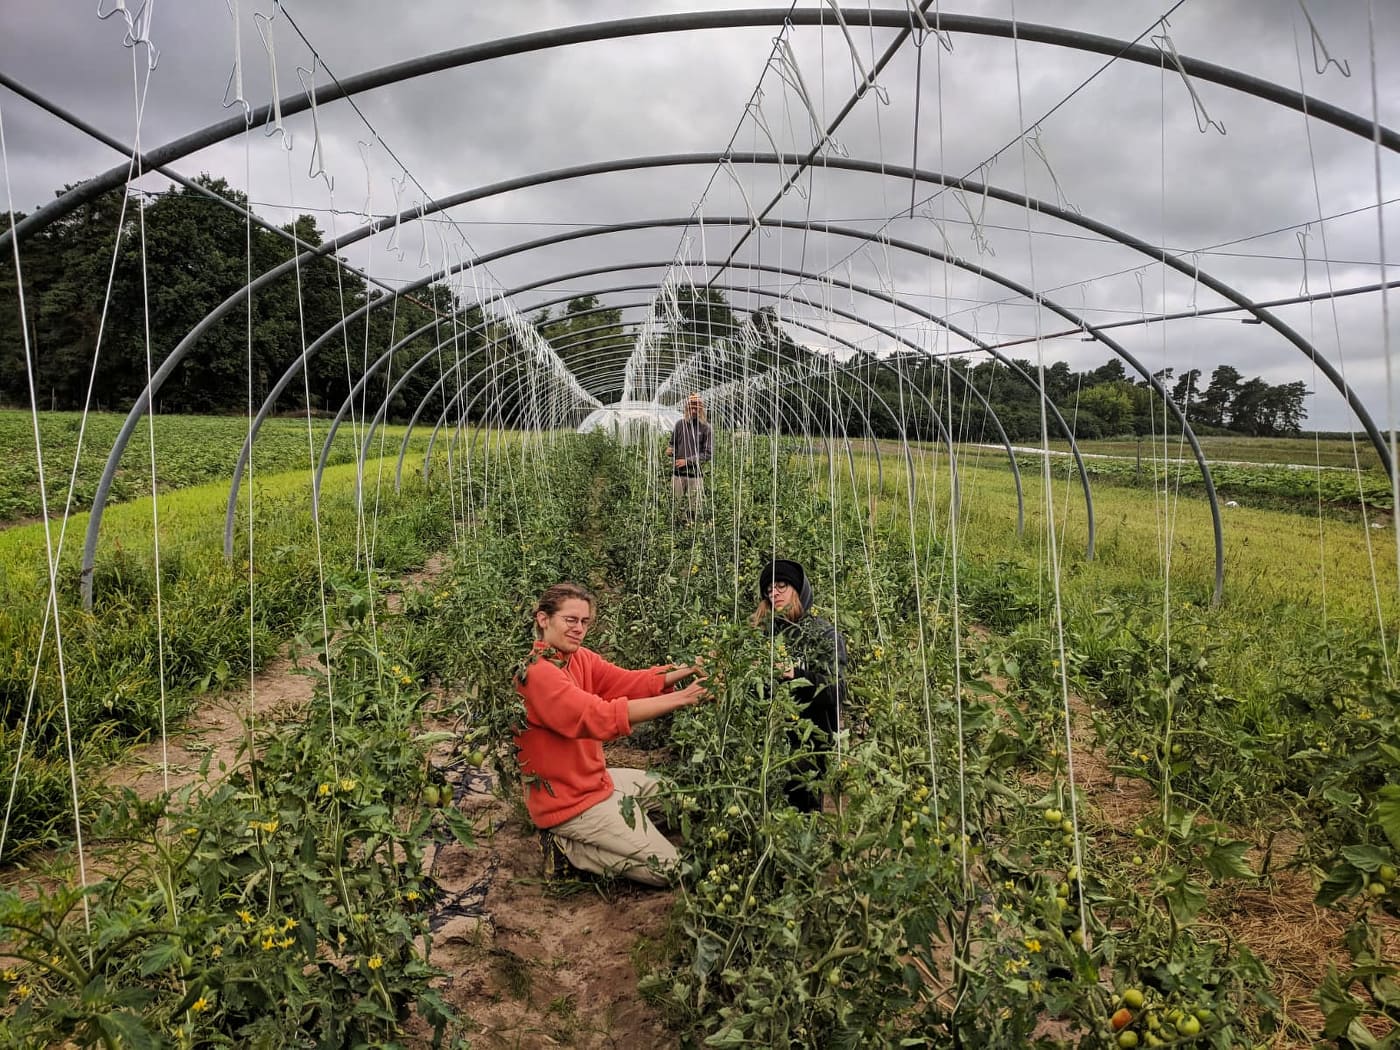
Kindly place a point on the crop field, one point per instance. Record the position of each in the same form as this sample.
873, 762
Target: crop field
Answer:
1341, 453
190, 450
1073, 802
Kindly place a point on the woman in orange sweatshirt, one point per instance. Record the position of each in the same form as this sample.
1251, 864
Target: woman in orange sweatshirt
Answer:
575, 700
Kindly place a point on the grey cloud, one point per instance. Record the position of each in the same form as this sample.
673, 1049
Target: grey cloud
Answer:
686, 92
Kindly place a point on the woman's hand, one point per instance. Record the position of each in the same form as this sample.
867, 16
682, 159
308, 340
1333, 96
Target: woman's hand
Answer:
647, 708
694, 693
675, 674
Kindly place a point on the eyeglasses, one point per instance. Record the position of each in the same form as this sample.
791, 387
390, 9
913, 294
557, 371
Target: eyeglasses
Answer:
576, 621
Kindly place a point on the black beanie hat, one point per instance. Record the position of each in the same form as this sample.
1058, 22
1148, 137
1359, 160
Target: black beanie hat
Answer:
789, 572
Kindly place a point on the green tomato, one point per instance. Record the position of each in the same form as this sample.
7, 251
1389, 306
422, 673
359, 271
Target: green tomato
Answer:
1386, 873
1132, 998
476, 759
1189, 1027
733, 811
1127, 1039
1053, 816
431, 796
1376, 889
833, 976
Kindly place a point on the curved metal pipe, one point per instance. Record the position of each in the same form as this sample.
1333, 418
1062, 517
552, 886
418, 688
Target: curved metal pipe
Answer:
565, 36
1074, 448
173, 359
788, 414
829, 228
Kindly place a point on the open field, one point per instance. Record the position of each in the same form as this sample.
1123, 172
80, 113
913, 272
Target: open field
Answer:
190, 450
1302, 451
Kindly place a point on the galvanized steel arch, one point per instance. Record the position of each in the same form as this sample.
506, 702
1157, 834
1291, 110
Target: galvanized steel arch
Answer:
787, 271
394, 73
813, 225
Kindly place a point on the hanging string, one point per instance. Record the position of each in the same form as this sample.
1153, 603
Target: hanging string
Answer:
1051, 546
1326, 259
48, 539
1385, 291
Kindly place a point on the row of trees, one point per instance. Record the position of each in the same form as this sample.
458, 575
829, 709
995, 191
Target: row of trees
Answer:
174, 258
193, 255
906, 393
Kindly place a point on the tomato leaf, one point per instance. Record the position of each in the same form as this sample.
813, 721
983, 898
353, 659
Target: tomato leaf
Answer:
1342, 881
1388, 813
1338, 1005
1339, 797
1365, 858
707, 951
1226, 861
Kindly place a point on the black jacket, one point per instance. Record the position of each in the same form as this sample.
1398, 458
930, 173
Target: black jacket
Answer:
818, 653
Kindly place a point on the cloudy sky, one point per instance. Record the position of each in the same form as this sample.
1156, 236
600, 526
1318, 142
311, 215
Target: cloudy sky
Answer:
1123, 144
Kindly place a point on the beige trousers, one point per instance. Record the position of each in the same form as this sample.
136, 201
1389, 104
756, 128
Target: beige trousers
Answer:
599, 840
686, 494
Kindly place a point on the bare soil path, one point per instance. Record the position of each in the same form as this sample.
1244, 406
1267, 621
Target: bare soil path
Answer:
537, 964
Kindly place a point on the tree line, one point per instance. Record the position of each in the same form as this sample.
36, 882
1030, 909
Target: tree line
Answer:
99, 291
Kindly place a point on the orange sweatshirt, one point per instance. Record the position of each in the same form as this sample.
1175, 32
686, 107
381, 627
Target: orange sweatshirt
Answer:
569, 712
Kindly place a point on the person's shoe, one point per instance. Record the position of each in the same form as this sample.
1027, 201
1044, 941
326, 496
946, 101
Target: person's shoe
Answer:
556, 865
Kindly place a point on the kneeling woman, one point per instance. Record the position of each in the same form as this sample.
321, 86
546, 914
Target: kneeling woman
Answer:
574, 700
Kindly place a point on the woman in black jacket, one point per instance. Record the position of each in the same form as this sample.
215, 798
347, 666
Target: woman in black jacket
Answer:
817, 653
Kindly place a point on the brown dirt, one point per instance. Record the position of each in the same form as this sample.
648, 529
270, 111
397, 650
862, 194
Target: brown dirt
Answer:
534, 964
216, 731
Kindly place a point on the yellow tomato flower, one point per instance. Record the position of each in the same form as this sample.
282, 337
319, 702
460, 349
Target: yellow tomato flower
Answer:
10, 975
24, 991
1032, 945
246, 916
200, 1005
375, 961
346, 784
323, 790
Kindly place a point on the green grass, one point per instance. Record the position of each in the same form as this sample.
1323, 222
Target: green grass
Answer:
1273, 557
122, 664
190, 450
1302, 451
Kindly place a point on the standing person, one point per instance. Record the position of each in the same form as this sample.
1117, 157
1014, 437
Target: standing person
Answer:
815, 651
692, 443
574, 700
